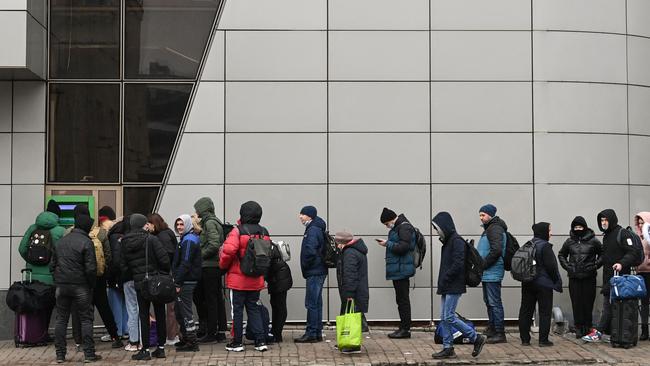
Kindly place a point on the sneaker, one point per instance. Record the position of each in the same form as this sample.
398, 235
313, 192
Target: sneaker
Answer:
234, 347
221, 337
444, 354
172, 342
593, 336
132, 347
208, 338
125, 336
106, 338
93, 358
60, 359
478, 345
350, 350
158, 353
117, 343
180, 344
188, 348
143, 355
261, 347
546, 344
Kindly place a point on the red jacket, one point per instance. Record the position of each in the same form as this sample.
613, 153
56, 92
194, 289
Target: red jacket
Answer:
234, 248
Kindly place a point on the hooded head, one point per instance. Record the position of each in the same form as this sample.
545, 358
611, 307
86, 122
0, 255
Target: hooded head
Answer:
612, 220
578, 221
444, 225
137, 221
204, 206
187, 224
83, 222
250, 213
542, 230
80, 209
53, 207
645, 217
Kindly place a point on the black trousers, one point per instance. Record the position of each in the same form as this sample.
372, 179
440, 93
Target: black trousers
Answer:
532, 295
605, 323
100, 300
645, 302
278, 313
184, 315
209, 301
77, 297
403, 302
583, 294
160, 313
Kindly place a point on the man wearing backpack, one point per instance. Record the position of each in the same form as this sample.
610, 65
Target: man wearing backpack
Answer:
314, 271
399, 265
619, 254
208, 295
245, 289
491, 247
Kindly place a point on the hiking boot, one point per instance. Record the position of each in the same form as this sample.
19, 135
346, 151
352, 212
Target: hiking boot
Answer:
478, 345
142, 355
497, 338
92, 358
158, 353
445, 353
400, 334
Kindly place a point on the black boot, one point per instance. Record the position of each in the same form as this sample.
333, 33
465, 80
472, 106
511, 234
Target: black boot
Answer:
489, 331
445, 353
644, 332
400, 334
499, 337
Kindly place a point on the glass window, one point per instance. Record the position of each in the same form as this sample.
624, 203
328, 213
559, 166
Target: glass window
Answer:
139, 199
85, 39
166, 38
152, 117
84, 133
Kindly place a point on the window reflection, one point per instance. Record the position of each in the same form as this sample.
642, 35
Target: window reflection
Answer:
139, 199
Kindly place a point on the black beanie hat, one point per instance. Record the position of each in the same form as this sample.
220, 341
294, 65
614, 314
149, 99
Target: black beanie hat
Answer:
541, 230
107, 212
387, 215
137, 221
80, 209
309, 211
83, 222
53, 207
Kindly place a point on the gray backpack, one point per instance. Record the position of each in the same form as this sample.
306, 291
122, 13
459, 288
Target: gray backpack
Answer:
524, 266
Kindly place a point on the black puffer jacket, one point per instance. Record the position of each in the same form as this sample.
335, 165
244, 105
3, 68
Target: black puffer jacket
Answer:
352, 275
133, 255
114, 277
169, 242
580, 254
74, 262
279, 277
613, 251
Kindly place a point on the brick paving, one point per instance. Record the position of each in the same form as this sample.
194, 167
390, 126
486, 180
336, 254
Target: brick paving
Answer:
378, 350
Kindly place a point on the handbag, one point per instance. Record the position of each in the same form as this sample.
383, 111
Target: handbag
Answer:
30, 296
159, 287
348, 329
626, 287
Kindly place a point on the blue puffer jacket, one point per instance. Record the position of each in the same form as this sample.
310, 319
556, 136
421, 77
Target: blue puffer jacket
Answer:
492, 247
399, 250
311, 251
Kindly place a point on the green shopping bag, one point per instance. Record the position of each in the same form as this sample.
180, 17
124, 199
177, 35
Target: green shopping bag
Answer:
348, 328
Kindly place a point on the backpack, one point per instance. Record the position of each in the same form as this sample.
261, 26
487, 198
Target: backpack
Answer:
39, 250
512, 246
99, 251
331, 251
420, 250
634, 241
524, 266
473, 265
257, 258
225, 228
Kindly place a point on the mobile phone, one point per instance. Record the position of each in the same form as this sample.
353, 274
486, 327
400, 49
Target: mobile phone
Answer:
378, 240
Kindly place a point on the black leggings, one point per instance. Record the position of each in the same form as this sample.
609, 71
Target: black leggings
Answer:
161, 317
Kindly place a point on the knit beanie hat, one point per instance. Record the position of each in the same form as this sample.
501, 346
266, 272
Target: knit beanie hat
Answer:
309, 211
387, 215
53, 207
541, 230
489, 209
137, 221
106, 213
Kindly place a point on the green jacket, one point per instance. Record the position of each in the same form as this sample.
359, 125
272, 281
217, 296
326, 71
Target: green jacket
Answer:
44, 221
211, 233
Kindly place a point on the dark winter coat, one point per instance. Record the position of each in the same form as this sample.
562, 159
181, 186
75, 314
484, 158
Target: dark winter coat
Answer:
73, 261
491, 247
186, 265
399, 248
613, 251
133, 255
548, 274
170, 243
451, 276
115, 277
352, 275
211, 233
580, 255
279, 276
311, 250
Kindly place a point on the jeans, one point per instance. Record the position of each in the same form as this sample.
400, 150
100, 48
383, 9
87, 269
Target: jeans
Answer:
132, 310
160, 314
250, 301
605, 323
278, 313
79, 297
645, 302
403, 303
210, 304
451, 321
314, 305
492, 299
532, 294
583, 294
118, 306
184, 315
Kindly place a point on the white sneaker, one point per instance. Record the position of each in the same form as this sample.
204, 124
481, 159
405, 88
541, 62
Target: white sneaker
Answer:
106, 338
132, 347
172, 342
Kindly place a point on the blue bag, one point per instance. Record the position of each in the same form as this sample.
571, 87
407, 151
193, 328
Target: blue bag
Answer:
458, 336
626, 287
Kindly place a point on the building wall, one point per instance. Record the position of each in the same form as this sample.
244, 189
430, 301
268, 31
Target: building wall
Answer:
540, 107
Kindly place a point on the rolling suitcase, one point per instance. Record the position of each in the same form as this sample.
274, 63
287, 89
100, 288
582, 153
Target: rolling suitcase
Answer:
30, 329
625, 323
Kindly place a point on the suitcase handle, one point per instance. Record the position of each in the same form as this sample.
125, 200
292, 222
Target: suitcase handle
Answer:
26, 270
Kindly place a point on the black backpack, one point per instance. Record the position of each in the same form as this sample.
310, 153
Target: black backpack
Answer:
257, 258
473, 265
523, 266
633, 240
331, 251
39, 250
420, 250
512, 246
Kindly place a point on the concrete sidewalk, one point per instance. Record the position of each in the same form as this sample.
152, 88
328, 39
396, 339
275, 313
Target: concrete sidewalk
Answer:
377, 350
